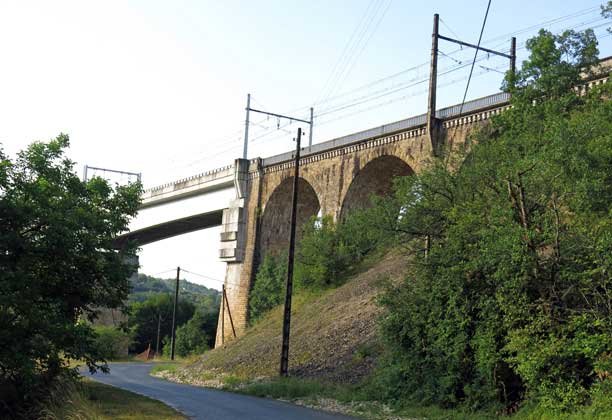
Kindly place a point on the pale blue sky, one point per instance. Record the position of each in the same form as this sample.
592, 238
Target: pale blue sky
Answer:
159, 87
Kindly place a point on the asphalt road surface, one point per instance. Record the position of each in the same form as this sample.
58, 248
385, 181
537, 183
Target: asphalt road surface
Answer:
204, 403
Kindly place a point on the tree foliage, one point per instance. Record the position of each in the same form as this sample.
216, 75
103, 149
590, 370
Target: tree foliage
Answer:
325, 252
111, 342
513, 298
198, 334
57, 264
269, 287
144, 286
146, 316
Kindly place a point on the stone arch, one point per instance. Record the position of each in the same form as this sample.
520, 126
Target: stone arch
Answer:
275, 222
375, 178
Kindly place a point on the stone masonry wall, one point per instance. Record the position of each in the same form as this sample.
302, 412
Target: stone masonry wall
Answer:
330, 175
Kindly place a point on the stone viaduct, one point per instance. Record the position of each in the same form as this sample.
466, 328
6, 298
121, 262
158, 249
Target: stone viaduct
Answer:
335, 177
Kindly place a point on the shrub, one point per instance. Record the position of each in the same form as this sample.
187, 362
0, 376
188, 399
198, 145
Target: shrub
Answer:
327, 250
197, 335
269, 288
512, 299
321, 255
111, 342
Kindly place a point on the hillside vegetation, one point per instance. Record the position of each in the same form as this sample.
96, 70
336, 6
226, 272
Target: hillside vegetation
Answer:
144, 286
334, 334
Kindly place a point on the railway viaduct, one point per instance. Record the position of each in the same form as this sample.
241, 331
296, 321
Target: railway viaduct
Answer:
335, 177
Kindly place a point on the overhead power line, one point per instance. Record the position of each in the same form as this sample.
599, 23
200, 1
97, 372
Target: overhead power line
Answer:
234, 139
353, 49
467, 86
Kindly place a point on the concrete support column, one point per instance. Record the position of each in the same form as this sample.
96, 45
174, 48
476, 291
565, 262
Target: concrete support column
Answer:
237, 250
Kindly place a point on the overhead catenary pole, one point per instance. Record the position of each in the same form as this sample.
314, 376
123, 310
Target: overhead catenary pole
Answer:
276, 115
246, 128
86, 168
176, 293
433, 124
310, 131
284, 363
433, 81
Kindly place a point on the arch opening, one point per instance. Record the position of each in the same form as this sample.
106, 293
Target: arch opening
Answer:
276, 218
375, 178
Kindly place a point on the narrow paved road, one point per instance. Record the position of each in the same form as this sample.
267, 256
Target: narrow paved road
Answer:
204, 403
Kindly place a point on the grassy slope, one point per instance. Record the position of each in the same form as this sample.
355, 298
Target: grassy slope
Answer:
90, 400
333, 335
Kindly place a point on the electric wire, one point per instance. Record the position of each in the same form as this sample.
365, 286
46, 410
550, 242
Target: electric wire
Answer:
391, 89
211, 278
162, 272
363, 47
449, 29
449, 55
467, 86
345, 51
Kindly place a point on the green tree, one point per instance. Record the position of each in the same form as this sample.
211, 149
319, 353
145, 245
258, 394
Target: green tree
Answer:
156, 311
512, 299
57, 264
198, 334
111, 342
269, 287
325, 252
328, 249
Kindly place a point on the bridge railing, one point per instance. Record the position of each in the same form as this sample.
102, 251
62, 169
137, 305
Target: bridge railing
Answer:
500, 98
209, 173
394, 127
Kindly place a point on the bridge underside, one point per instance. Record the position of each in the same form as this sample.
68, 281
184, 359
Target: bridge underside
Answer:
173, 228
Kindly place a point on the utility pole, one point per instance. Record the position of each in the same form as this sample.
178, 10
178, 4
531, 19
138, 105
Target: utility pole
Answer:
176, 293
158, 330
433, 81
433, 125
287, 316
273, 114
246, 128
310, 131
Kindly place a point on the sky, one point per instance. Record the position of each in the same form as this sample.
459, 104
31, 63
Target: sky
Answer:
159, 87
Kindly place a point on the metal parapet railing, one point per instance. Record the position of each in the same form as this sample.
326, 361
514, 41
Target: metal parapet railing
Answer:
479, 104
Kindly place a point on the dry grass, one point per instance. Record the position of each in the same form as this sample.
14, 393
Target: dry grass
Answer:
89, 400
334, 334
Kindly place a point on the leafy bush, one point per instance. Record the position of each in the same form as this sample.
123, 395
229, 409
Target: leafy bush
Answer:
321, 256
327, 250
198, 334
511, 299
145, 317
111, 342
269, 288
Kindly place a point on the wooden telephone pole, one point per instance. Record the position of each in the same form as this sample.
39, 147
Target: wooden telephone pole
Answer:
176, 293
284, 363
